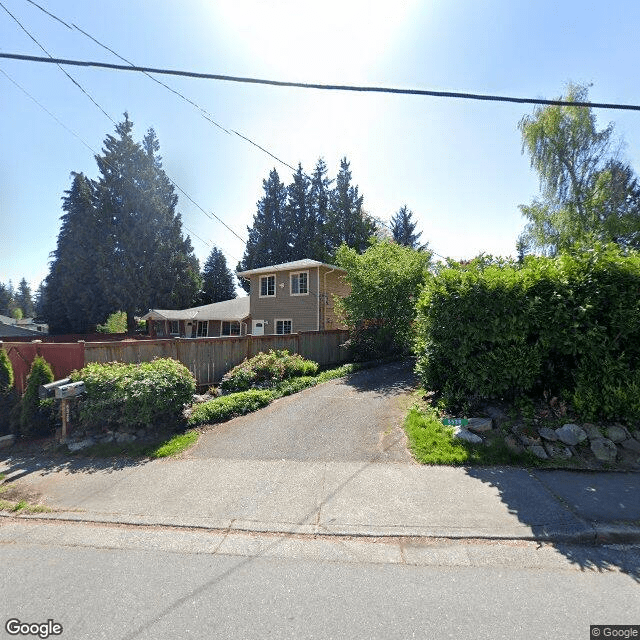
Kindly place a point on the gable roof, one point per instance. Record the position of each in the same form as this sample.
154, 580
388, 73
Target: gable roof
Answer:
13, 331
289, 266
228, 310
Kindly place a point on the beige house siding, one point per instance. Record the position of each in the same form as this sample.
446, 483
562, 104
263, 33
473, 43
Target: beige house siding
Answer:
336, 285
313, 311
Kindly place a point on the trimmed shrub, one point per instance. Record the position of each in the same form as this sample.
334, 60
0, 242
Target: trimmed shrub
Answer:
266, 370
568, 325
134, 395
227, 407
37, 416
6, 373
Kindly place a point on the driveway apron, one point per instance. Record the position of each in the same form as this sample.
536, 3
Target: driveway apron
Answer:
357, 418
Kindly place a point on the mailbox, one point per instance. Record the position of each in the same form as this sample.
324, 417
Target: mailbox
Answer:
48, 390
72, 390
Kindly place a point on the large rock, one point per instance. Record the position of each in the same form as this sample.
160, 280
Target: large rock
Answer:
548, 434
480, 425
631, 445
604, 450
592, 431
124, 438
513, 444
7, 441
527, 436
81, 444
571, 434
616, 433
538, 451
467, 436
557, 451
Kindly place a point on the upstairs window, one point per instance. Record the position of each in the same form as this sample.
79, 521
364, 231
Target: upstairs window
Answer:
267, 286
300, 283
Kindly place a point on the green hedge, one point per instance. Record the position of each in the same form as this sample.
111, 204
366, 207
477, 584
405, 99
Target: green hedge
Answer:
231, 406
266, 370
569, 325
134, 395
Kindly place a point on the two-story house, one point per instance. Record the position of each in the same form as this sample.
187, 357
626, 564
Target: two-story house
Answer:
295, 296
285, 298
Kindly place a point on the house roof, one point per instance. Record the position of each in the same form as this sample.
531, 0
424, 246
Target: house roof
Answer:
12, 331
289, 266
236, 309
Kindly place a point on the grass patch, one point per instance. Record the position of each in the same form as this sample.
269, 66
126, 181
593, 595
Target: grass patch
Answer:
433, 443
175, 445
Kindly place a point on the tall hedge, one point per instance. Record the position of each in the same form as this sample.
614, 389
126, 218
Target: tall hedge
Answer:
570, 325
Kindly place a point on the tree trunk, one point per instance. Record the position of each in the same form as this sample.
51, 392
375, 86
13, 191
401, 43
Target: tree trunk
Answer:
131, 323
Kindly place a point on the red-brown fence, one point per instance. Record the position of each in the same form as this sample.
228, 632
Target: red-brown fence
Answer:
207, 358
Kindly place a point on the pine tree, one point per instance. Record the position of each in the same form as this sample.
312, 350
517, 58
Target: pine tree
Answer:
5, 300
320, 189
217, 279
348, 224
403, 229
269, 237
23, 299
299, 215
74, 300
149, 263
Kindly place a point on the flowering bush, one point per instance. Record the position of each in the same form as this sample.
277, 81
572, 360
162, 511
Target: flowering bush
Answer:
267, 370
134, 395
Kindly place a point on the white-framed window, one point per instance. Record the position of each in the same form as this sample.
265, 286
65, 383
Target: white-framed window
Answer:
175, 327
230, 328
202, 330
300, 283
267, 286
283, 327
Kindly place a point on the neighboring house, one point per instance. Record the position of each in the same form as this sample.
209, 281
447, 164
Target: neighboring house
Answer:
295, 296
12, 328
228, 318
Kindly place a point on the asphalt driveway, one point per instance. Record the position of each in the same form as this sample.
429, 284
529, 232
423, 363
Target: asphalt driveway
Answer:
357, 418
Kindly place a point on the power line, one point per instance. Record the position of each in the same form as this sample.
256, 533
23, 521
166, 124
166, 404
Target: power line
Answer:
59, 67
323, 87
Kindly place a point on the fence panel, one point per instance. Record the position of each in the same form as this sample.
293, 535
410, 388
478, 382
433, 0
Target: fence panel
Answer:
63, 358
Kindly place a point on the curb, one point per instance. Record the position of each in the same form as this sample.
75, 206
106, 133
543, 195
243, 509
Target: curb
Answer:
589, 534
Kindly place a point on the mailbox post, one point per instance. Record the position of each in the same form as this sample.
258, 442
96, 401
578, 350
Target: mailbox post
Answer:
65, 391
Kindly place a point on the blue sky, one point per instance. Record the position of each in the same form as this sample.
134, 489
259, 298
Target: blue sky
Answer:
456, 164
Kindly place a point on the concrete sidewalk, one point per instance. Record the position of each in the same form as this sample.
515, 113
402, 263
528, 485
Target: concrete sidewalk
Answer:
344, 498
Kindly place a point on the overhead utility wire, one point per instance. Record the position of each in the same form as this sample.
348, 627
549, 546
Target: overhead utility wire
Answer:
59, 67
324, 87
108, 116
86, 144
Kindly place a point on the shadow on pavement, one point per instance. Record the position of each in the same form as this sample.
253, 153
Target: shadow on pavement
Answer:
16, 467
553, 507
385, 380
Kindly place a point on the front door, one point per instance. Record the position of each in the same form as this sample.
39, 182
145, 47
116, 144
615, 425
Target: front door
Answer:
257, 327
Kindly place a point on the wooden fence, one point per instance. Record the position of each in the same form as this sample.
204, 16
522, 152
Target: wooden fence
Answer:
207, 358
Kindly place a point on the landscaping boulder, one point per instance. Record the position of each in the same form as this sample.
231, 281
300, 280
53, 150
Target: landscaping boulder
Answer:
616, 433
548, 434
604, 450
592, 431
571, 434
513, 444
557, 451
538, 451
467, 436
631, 445
480, 425
81, 444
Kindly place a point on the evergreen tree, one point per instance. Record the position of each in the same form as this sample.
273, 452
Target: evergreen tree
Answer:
5, 300
299, 216
217, 279
23, 299
269, 237
348, 224
39, 300
320, 189
73, 299
148, 262
403, 229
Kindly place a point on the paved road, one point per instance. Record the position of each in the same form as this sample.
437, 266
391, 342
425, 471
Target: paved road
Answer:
133, 584
355, 419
